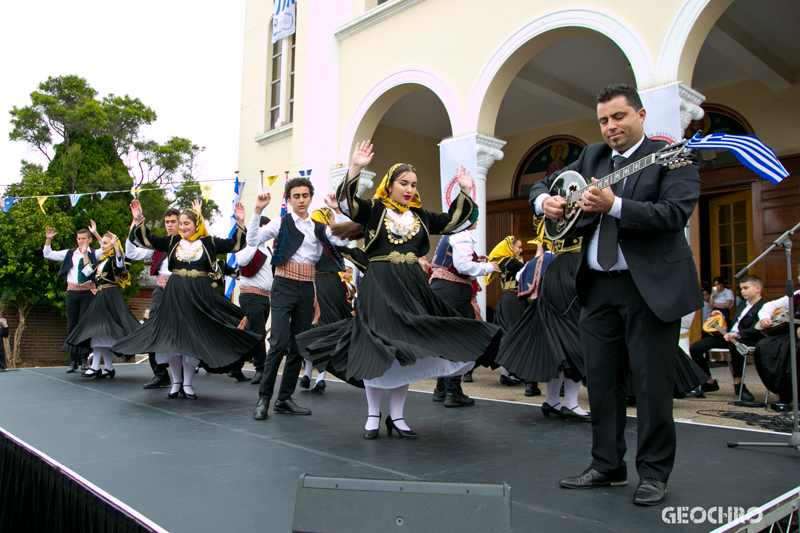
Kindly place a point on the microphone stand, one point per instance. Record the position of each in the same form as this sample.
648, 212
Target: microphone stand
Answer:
785, 242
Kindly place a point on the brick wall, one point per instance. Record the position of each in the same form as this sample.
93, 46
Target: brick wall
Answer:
46, 328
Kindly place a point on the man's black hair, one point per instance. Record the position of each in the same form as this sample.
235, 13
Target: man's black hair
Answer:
298, 182
172, 212
609, 92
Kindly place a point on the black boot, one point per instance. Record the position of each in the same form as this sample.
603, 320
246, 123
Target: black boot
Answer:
532, 389
72, 366
440, 391
257, 378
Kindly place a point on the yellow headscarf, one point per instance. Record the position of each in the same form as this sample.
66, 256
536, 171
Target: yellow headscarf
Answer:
124, 279
504, 249
541, 237
323, 215
382, 193
201, 228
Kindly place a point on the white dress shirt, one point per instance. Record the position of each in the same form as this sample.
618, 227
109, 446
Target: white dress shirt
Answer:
263, 278
309, 251
735, 327
615, 211
770, 307
138, 253
463, 246
72, 275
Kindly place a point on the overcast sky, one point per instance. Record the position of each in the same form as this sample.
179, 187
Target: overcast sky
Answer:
182, 59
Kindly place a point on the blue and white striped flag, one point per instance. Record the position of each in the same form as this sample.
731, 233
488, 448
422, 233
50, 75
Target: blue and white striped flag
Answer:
238, 190
748, 149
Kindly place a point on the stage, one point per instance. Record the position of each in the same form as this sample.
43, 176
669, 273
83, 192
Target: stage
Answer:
207, 466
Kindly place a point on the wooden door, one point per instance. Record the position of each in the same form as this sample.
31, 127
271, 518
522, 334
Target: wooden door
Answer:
731, 241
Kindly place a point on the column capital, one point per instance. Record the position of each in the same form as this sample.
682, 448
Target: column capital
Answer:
489, 151
690, 105
338, 174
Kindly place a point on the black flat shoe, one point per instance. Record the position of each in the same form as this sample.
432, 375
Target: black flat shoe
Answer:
591, 479
403, 434
72, 367
257, 378
650, 492
548, 410
319, 387
532, 389
571, 416
173, 395
373, 433
305, 382
238, 375
189, 396
92, 373
156, 383
106, 373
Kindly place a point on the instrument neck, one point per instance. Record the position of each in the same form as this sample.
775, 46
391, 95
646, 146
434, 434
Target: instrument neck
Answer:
618, 175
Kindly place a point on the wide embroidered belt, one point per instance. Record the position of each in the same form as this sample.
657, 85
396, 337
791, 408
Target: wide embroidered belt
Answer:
192, 273
106, 286
296, 271
244, 289
443, 273
396, 258
162, 280
88, 286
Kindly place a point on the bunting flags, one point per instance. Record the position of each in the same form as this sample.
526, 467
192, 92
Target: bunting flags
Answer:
272, 179
41, 200
73, 199
748, 149
238, 190
206, 191
102, 194
7, 203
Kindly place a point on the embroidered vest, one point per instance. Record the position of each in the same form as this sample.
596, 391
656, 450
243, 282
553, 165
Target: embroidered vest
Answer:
66, 264
290, 238
443, 257
255, 264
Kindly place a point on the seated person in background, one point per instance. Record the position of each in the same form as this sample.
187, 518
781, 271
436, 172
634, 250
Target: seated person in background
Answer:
742, 328
721, 298
706, 310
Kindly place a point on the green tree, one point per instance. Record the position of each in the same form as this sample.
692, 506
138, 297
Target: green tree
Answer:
165, 164
154, 202
190, 190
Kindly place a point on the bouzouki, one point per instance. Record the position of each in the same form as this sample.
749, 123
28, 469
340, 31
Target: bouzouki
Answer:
716, 325
570, 185
780, 323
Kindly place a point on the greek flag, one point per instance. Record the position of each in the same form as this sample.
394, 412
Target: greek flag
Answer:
230, 283
748, 149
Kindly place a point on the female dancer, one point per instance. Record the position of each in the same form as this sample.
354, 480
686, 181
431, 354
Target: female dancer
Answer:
509, 308
193, 318
331, 293
401, 332
108, 318
544, 345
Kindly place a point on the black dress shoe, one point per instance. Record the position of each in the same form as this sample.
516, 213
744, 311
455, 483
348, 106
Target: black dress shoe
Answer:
590, 479
532, 389
84, 364
467, 378
439, 395
747, 396
156, 383
457, 399
319, 387
710, 387
260, 412
571, 416
305, 382
402, 433
238, 375
696, 393
72, 366
288, 407
106, 373
373, 433
650, 492
257, 378
548, 409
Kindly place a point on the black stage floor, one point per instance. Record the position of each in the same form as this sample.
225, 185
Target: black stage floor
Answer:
207, 466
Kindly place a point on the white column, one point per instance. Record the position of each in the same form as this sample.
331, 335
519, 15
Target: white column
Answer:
489, 150
690, 105
338, 174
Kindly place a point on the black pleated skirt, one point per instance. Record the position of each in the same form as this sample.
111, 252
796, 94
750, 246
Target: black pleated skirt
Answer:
509, 310
108, 315
332, 298
545, 340
398, 322
196, 320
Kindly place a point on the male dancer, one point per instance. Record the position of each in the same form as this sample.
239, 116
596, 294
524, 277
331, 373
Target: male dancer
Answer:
160, 267
636, 279
255, 284
299, 243
455, 265
80, 289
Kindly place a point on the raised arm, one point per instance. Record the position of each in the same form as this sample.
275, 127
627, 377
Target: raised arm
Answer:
238, 240
142, 235
47, 251
357, 209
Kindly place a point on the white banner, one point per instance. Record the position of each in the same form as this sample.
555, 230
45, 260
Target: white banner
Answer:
663, 106
453, 154
283, 23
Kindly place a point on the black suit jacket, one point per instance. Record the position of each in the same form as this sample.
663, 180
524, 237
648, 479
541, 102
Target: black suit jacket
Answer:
748, 334
657, 203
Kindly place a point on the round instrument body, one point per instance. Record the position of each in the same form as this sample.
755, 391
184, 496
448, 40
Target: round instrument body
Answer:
566, 183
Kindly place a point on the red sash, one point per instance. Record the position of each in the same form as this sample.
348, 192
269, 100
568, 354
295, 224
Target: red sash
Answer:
158, 258
252, 268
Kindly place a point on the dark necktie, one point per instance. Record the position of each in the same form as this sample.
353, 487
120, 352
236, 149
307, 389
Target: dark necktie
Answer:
607, 242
